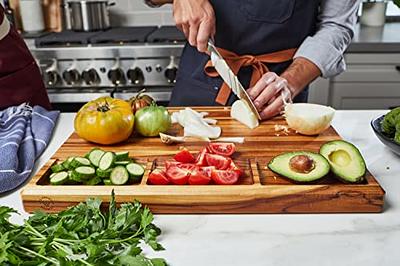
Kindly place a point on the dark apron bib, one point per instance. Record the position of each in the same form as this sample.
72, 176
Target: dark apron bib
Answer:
245, 27
20, 78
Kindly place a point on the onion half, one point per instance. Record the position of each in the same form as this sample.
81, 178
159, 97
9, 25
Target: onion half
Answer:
307, 118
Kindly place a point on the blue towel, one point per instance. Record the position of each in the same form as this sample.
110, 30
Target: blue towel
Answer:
24, 135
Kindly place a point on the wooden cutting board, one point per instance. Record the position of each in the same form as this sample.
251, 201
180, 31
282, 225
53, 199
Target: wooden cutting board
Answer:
259, 191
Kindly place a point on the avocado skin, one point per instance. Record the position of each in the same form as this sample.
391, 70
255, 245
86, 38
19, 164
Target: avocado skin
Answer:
340, 172
321, 167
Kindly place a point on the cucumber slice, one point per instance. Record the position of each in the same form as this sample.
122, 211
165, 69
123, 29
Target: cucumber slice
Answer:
74, 178
79, 161
122, 156
59, 178
119, 175
51, 176
103, 173
84, 172
107, 160
107, 182
95, 155
93, 181
123, 163
57, 168
136, 171
67, 163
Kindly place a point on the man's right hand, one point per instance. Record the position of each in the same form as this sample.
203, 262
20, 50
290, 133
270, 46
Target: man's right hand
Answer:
196, 19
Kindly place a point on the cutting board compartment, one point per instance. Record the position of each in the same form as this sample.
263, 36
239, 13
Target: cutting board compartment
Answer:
258, 191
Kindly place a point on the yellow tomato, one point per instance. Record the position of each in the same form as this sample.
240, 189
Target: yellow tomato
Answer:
105, 121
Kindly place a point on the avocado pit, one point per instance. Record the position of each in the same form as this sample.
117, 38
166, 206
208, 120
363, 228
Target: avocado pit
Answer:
302, 164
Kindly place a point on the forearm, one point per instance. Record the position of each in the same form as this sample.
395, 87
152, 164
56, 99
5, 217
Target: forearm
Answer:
299, 74
334, 33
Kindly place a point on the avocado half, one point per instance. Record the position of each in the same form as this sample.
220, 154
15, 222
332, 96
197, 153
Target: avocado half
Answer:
301, 166
345, 160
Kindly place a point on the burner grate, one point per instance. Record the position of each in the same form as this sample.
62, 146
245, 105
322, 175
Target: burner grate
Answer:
169, 34
65, 38
123, 35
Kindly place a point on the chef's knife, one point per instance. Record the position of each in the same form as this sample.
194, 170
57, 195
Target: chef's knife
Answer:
229, 77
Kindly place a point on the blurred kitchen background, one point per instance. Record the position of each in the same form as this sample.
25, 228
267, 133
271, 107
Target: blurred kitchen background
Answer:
89, 48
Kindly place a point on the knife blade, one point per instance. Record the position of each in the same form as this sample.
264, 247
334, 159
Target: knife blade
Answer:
229, 77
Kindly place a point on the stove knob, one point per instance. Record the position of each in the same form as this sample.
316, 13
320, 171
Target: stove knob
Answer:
170, 74
51, 78
71, 76
116, 76
135, 75
91, 77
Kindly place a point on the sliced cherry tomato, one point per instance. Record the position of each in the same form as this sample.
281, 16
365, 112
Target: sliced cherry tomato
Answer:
234, 167
158, 177
184, 156
177, 175
170, 163
224, 177
201, 157
198, 178
206, 170
187, 166
220, 162
225, 149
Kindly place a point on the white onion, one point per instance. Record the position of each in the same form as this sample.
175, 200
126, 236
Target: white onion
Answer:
241, 112
307, 118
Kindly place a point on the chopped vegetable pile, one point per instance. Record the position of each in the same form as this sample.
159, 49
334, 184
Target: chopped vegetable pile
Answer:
391, 124
212, 165
97, 167
81, 235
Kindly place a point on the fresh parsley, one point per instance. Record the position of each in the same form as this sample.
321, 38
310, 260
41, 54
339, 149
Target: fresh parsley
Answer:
81, 235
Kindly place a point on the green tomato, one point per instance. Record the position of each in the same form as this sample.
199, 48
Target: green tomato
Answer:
152, 120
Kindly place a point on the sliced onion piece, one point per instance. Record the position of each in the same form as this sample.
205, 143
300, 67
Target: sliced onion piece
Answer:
307, 118
241, 112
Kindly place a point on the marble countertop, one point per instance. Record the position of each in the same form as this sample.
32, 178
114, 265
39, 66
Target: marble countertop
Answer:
310, 239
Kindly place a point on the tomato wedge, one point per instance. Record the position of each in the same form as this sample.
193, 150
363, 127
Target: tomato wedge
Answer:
206, 170
177, 175
157, 177
224, 177
234, 167
198, 178
224, 149
201, 157
170, 163
184, 156
220, 162
187, 166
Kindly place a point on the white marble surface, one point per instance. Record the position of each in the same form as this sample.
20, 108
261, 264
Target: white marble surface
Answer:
326, 239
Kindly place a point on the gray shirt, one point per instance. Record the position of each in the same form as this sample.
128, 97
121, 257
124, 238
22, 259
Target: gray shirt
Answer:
335, 30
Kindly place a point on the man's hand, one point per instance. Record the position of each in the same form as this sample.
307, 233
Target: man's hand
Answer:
196, 19
267, 93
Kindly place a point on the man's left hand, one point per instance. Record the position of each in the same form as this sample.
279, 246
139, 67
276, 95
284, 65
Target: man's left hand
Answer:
267, 94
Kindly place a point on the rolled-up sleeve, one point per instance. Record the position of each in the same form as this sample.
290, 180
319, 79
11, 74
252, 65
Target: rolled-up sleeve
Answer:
335, 30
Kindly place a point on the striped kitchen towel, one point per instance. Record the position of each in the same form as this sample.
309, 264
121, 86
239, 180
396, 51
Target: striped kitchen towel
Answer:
24, 135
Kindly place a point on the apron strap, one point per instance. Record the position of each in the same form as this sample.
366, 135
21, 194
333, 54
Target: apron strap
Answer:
236, 62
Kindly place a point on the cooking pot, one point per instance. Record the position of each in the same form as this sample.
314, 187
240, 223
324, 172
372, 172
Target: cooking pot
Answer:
87, 15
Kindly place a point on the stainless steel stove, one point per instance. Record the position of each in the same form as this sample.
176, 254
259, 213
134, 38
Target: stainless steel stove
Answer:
79, 66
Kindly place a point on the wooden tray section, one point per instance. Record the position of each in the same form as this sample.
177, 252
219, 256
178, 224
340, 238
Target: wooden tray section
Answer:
259, 191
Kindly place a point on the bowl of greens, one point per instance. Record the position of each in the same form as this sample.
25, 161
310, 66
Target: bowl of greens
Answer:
387, 129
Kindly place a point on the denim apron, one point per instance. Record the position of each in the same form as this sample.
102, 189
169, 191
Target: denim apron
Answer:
245, 27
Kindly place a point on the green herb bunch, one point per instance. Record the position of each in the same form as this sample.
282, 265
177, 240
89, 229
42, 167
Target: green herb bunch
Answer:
81, 235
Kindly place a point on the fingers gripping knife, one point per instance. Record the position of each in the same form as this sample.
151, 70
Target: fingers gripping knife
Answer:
229, 77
